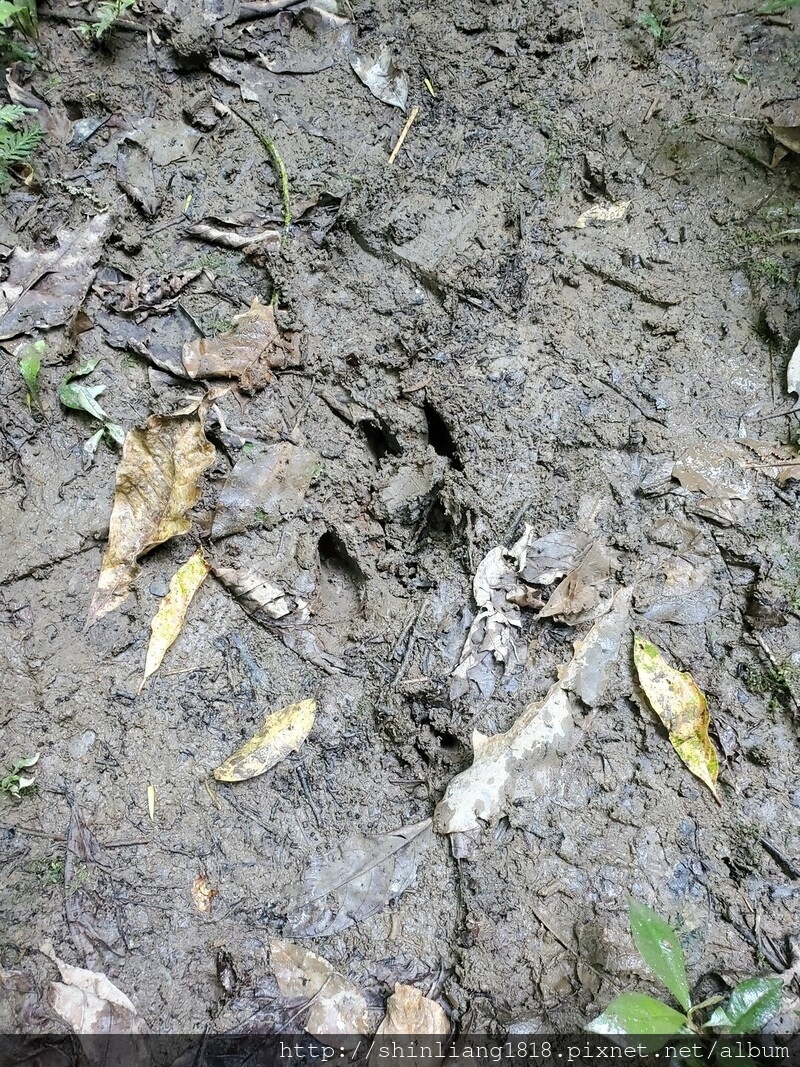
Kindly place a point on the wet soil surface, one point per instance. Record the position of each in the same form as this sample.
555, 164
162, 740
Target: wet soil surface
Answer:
472, 361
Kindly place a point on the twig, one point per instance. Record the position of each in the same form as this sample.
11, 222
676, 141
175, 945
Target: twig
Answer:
403, 135
255, 9
277, 163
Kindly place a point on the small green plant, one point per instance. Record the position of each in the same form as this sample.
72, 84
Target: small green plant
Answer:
108, 11
16, 784
20, 17
16, 145
30, 365
653, 24
780, 683
746, 1009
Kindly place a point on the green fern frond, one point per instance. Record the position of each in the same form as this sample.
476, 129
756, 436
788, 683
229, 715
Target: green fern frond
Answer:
17, 147
13, 113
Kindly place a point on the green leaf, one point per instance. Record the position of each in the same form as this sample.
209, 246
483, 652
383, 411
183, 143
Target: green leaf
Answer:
660, 950
750, 1006
115, 432
636, 1013
8, 12
91, 446
30, 364
83, 398
83, 370
21, 764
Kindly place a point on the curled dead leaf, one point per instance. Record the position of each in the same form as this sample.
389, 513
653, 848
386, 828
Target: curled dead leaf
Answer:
203, 893
683, 709
283, 732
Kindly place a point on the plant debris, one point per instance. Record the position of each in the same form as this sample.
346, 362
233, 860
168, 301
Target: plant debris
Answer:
335, 1005
89, 1003
409, 1012
381, 75
168, 620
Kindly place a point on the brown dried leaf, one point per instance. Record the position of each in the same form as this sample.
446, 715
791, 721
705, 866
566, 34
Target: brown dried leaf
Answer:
336, 1005
247, 352
203, 893
45, 288
157, 483
409, 1012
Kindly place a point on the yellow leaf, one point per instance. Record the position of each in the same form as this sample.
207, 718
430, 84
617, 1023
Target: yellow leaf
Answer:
157, 484
674, 697
283, 732
151, 802
168, 620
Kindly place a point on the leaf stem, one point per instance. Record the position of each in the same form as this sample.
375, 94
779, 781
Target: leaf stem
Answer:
277, 162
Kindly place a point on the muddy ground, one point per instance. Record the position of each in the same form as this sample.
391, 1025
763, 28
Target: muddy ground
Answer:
472, 362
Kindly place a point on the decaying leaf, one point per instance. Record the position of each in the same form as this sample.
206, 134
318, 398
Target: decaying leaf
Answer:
89, 1003
287, 616
384, 79
46, 287
90, 896
168, 620
54, 121
336, 1005
203, 894
409, 1012
361, 876
247, 352
604, 213
136, 178
29, 356
283, 732
776, 460
675, 698
157, 484
714, 468
265, 487
519, 762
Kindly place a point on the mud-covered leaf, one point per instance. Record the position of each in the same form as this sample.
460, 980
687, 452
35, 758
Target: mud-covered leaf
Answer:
248, 352
750, 1006
157, 484
599, 213
53, 120
89, 1003
90, 896
636, 1013
169, 618
577, 597
30, 366
136, 178
520, 762
283, 732
359, 878
46, 287
265, 487
384, 79
675, 698
287, 616
660, 949
336, 1005
409, 1012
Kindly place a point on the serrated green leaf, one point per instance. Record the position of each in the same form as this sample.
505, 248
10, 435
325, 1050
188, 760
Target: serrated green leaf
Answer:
83, 398
751, 1005
636, 1013
660, 949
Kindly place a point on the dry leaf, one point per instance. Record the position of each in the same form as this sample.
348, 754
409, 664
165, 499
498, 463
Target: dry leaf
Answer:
577, 598
247, 352
604, 213
46, 287
283, 732
361, 876
157, 483
202, 893
168, 620
519, 762
89, 1003
674, 697
336, 1005
409, 1012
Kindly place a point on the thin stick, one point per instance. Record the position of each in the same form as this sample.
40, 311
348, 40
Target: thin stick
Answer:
403, 135
277, 163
